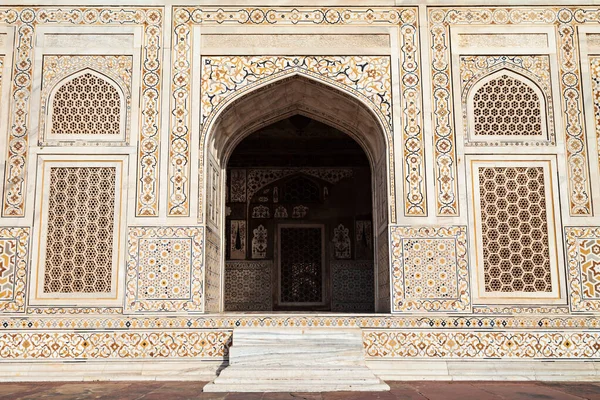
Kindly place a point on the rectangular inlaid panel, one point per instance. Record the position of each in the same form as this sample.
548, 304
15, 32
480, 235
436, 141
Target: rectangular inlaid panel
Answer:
583, 257
14, 253
430, 270
164, 269
80, 230
248, 286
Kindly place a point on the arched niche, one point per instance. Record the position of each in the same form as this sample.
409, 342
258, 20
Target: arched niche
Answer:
100, 115
492, 115
267, 104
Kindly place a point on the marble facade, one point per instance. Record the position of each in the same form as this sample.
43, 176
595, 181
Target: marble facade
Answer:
481, 125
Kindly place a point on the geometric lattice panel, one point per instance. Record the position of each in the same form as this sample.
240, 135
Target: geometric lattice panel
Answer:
430, 269
353, 287
248, 286
514, 229
583, 255
506, 106
164, 269
85, 97
514, 203
14, 253
80, 229
86, 105
507, 100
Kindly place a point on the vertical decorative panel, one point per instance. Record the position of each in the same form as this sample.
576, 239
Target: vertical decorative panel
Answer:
583, 256
237, 240
213, 270
238, 186
14, 254
595, 79
383, 272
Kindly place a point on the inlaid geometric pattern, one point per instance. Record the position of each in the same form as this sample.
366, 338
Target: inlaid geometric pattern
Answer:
431, 344
14, 253
514, 227
430, 269
583, 255
116, 345
86, 105
164, 269
248, 286
80, 229
595, 79
353, 286
506, 106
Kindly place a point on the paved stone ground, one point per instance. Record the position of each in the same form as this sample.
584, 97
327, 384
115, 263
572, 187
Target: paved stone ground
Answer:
400, 390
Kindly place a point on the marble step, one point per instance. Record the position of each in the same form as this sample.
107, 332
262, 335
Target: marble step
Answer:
294, 386
286, 336
301, 355
243, 374
296, 360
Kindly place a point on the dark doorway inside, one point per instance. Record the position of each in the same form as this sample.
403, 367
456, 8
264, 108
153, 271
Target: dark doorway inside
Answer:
299, 221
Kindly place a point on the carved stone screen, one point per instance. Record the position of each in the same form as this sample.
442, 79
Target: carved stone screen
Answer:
506, 106
86, 105
301, 263
514, 227
81, 213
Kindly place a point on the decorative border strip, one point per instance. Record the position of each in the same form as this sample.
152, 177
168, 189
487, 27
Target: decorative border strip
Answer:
25, 20
183, 21
565, 20
20, 236
400, 303
265, 320
115, 345
482, 345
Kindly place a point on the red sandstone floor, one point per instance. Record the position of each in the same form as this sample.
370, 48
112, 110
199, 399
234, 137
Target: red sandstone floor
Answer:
400, 390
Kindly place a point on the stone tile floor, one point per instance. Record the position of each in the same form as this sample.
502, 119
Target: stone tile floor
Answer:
400, 390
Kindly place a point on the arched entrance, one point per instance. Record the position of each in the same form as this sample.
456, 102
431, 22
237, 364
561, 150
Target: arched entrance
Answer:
246, 221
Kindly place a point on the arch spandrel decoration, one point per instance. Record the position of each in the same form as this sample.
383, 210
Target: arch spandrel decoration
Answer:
61, 70
215, 104
403, 18
530, 71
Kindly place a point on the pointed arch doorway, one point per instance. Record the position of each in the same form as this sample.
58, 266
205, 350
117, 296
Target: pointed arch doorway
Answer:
296, 202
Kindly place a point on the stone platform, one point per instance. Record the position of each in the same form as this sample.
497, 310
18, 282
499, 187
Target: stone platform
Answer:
295, 360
